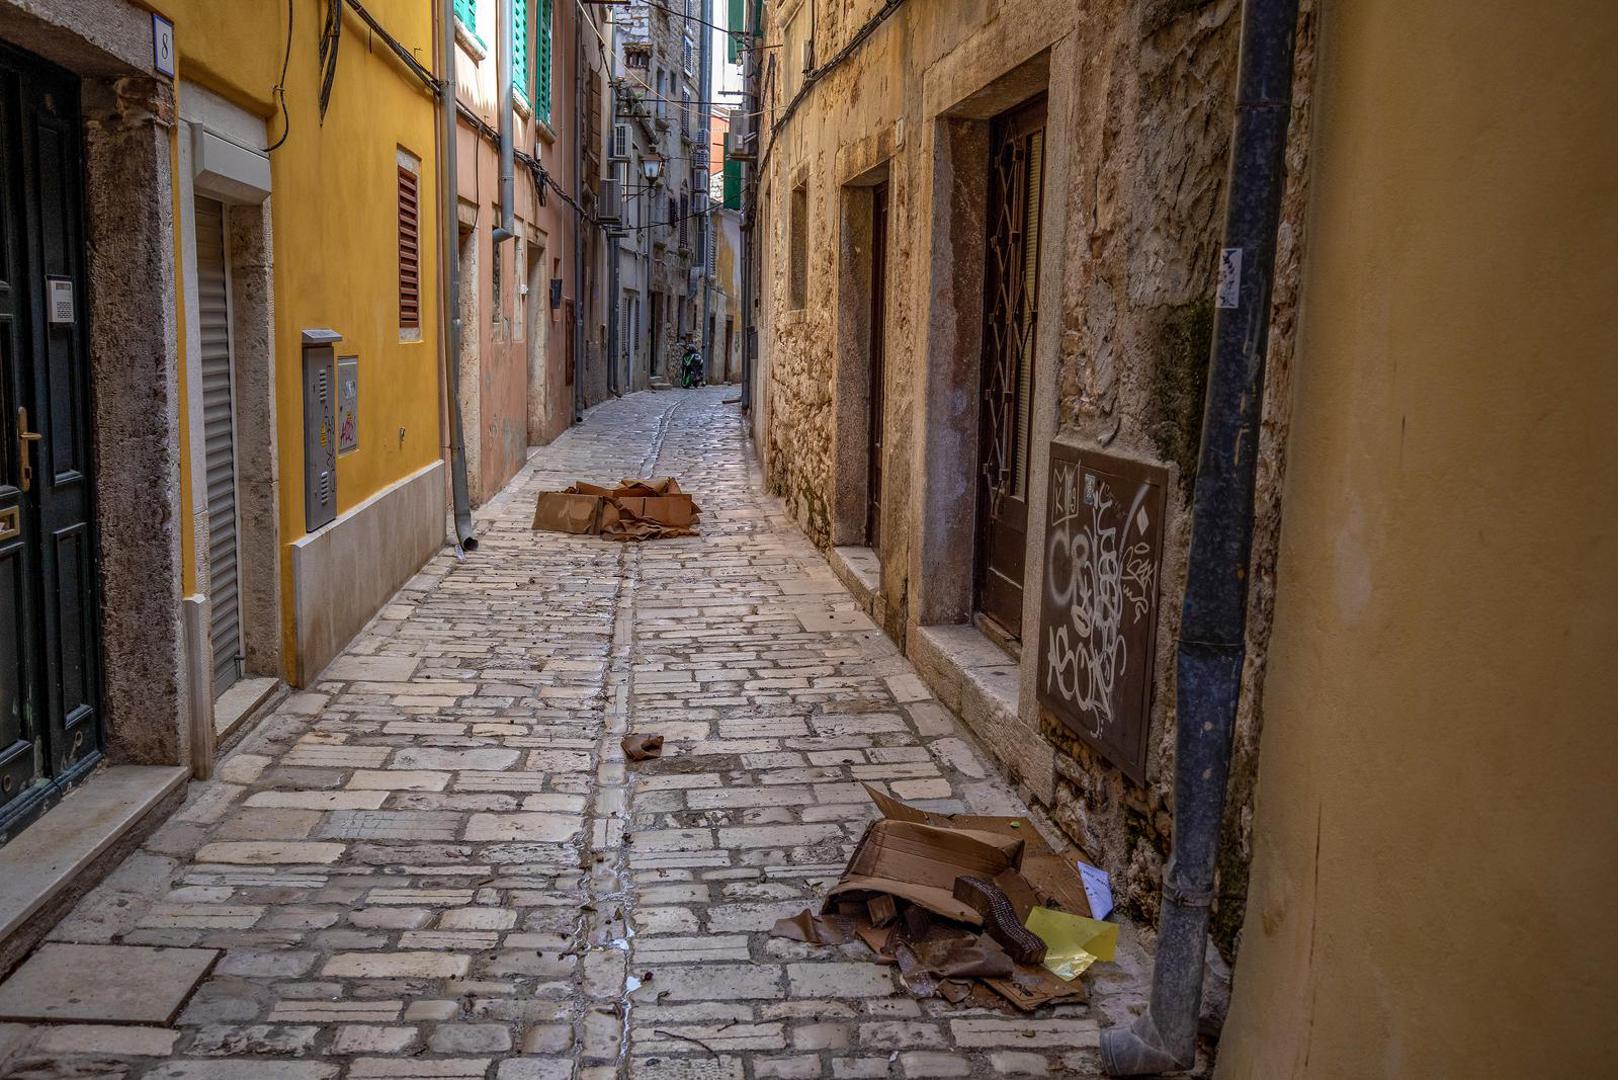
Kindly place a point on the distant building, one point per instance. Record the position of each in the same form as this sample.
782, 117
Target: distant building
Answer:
664, 177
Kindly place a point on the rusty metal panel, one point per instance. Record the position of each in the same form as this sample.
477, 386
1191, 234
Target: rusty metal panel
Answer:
1099, 600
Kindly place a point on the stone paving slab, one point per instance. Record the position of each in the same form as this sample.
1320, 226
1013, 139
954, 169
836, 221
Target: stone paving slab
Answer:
117, 983
436, 862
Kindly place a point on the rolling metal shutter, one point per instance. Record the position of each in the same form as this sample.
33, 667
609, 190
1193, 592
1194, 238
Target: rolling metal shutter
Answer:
219, 438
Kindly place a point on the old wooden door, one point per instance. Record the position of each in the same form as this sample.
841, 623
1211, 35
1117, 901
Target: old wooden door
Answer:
874, 419
50, 715
1011, 282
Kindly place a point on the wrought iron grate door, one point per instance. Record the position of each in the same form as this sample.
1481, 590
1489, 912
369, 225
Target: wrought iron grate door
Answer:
1010, 314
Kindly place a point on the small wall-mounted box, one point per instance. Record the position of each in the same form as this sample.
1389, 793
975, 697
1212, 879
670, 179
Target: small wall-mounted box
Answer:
319, 427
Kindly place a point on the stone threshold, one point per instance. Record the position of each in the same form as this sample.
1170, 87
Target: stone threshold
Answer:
860, 569
74, 845
238, 704
978, 681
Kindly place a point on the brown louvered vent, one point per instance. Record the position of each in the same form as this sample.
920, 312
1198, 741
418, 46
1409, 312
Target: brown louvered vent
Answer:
409, 251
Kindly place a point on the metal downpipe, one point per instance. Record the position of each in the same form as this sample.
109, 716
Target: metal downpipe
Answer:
505, 59
1214, 620
450, 267
580, 225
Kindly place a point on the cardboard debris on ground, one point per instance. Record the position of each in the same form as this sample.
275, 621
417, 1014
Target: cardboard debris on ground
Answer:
634, 510
897, 896
642, 747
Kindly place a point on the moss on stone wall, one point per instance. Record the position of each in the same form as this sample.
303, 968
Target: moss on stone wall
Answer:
1179, 379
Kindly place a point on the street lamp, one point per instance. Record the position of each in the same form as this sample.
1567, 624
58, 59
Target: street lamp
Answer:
653, 167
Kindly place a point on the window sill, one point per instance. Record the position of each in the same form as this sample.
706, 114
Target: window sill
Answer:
468, 40
546, 133
519, 102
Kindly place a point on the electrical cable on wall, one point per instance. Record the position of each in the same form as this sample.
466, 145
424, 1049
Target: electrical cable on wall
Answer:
331, 36
279, 92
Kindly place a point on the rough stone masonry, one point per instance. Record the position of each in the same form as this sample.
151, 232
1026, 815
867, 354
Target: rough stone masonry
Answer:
436, 863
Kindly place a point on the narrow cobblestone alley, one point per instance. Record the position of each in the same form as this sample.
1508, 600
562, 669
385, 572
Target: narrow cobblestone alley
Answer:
436, 863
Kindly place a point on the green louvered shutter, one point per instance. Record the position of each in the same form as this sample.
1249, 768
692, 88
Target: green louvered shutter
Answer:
733, 29
542, 62
519, 46
467, 12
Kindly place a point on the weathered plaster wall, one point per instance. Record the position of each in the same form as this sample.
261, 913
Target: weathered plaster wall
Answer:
514, 385
1140, 94
1436, 816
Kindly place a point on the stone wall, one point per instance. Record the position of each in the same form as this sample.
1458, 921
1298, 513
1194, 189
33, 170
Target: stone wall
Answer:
1141, 105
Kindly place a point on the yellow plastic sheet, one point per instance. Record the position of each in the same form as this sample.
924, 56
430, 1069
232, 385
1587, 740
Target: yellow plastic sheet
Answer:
1072, 942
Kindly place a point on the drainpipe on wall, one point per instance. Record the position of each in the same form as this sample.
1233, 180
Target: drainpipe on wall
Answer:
705, 94
1213, 626
450, 269
579, 223
505, 59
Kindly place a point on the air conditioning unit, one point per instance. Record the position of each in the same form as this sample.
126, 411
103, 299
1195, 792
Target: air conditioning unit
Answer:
743, 140
620, 142
611, 204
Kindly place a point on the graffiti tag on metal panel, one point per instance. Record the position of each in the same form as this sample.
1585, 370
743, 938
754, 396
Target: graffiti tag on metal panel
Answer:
1099, 601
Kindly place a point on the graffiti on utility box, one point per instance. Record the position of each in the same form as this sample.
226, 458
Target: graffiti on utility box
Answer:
1098, 608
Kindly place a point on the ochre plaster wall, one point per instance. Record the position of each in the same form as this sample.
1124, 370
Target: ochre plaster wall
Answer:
1436, 815
333, 191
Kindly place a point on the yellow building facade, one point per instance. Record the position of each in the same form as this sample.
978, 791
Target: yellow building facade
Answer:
1434, 822
222, 397
330, 226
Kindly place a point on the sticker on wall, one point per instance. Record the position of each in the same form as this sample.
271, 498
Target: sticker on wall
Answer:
1229, 294
348, 404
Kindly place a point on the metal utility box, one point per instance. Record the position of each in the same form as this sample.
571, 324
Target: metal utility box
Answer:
1104, 524
319, 427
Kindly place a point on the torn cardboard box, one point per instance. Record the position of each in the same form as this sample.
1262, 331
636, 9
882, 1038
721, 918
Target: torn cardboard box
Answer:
634, 510
915, 893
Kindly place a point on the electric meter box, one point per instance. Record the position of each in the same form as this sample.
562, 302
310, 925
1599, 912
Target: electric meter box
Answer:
319, 427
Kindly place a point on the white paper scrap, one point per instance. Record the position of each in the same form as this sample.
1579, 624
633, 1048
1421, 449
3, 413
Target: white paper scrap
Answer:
1097, 889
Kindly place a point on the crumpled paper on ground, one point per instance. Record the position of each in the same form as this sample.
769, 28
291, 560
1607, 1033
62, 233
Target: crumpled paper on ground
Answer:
815, 929
1072, 942
896, 896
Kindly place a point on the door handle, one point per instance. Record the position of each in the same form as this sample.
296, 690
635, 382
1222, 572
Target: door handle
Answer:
24, 437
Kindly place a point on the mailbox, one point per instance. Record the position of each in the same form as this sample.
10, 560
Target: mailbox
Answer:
319, 427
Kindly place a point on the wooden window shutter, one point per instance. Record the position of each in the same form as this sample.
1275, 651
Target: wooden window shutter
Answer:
519, 46
409, 250
542, 60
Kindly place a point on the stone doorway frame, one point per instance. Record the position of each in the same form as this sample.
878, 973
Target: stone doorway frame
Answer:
949, 376
862, 167
129, 116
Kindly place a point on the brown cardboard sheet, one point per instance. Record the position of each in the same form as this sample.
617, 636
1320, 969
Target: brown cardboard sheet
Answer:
920, 863
562, 511
634, 510
1052, 876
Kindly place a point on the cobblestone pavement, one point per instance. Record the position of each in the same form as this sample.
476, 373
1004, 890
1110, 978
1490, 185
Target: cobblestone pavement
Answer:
436, 863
